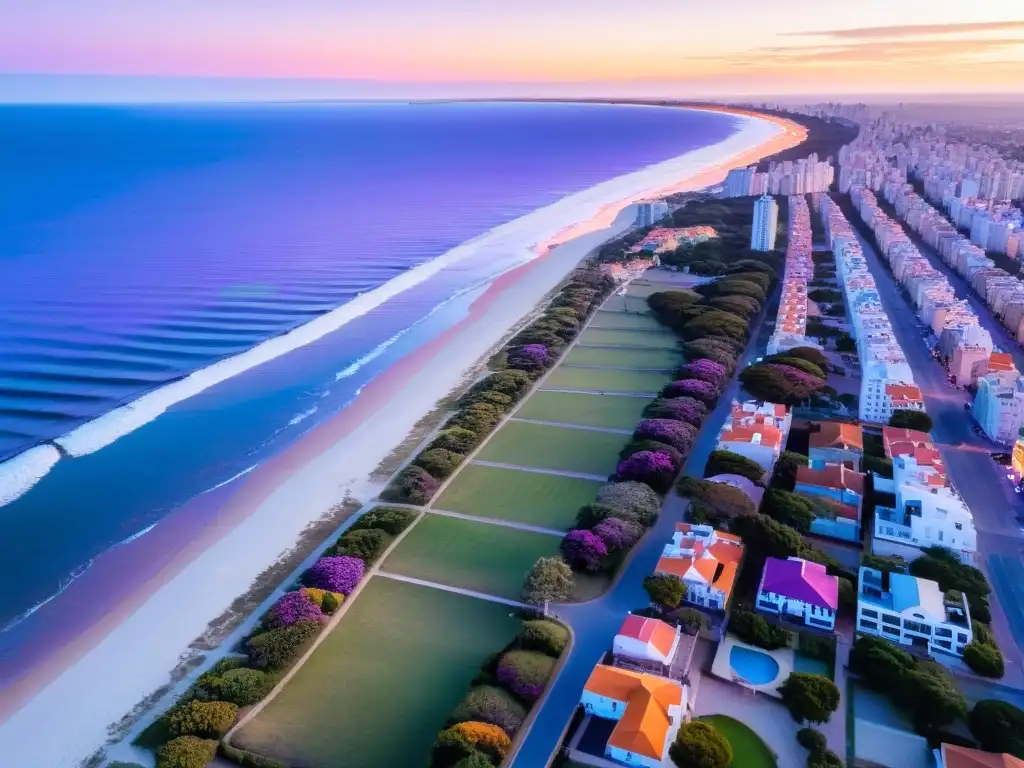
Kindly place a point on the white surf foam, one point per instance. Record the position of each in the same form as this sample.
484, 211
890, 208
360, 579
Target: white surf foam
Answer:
19, 474
516, 238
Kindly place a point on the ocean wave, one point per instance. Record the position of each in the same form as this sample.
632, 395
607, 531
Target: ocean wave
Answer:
70, 579
301, 417
232, 478
19, 474
513, 242
137, 536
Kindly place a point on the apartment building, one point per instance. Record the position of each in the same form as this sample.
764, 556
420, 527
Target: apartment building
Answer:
999, 405
800, 177
649, 212
766, 222
791, 324
757, 430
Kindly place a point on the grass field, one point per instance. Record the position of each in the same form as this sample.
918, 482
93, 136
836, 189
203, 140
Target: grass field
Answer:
383, 683
666, 359
662, 339
570, 450
748, 749
479, 556
628, 320
595, 380
626, 304
549, 501
607, 411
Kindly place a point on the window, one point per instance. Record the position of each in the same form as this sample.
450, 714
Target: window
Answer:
891, 630
944, 644
961, 637
869, 624
869, 613
887, 619
943, 632
615, 706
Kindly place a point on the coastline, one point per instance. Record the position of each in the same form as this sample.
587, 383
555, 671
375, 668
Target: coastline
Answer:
212, 547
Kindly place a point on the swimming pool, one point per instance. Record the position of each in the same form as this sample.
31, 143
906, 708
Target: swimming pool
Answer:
755, 667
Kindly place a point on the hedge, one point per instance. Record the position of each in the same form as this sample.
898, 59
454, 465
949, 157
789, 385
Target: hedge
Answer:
186, 752
205, 719
490, 704
391, 520
525, 673
277, 648
542, 635
754, 629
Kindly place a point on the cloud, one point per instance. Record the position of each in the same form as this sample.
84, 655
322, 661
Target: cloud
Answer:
914, 30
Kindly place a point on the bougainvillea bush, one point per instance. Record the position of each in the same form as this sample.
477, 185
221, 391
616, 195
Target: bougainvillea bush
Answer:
617, 534
529, 357
413, 486
705, 370
525, 673
686, 409
695, 388
292, 607
335, 574
631, 501
653, 468
636, 446
678, 434
583, 550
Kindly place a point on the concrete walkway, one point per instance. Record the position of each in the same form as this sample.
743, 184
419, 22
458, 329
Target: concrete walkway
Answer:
539, 471
456, 590
496, 521
584, 427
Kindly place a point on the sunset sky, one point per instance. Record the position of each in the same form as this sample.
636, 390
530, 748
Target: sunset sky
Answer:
528, 47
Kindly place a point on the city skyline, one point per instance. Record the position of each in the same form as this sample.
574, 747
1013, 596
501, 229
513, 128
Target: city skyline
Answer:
395, 49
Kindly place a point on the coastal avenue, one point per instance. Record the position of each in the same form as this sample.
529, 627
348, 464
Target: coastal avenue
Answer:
977, 478
595, 623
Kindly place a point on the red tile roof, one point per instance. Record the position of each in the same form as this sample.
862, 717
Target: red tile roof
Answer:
652, 631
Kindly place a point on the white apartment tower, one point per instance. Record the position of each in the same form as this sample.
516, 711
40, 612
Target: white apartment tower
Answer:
766, 221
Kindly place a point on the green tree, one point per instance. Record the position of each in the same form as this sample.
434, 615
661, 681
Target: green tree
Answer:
206, 719
715, 323
788, 508
998, 726
984, 659
784, 474
440, 462
665, 589
277, 648
905, 419
366, 544
825, 759
878, 663
186, 752
811, 739
722, 462
244, 686
809, 698
545, 636
699, 745
549, 581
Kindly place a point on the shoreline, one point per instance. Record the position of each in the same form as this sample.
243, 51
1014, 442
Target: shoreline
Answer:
195, 554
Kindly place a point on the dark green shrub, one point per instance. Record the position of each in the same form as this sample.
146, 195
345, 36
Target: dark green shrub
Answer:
918, 420
205, 719
244, 686
665, 589
590, 515
278, 648
330, 603
699, 745
752, 628
186, 752
392, 520
986, 660
439, 462
728, 463
809, 698
998, 726
690, 620
474, 760
366, 544
811, 739
456, 440
248, 759
545, 636
826, 759
491, 705
414, 485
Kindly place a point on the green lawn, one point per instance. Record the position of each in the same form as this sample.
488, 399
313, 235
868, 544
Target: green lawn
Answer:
749, 751
608, 411
479, 556
382, 684
563, 448
663, 339
634, 304
628, 320
550, 501
663, 359
596, 380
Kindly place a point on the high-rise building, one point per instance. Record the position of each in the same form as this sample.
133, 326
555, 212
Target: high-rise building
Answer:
650, 211
766, 222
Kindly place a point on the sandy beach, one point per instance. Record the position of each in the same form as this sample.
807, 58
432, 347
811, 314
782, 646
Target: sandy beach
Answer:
112, 638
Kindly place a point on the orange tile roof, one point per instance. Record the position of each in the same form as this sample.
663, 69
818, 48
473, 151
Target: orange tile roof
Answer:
645, 723
903, 393
675, 566
832, 476
770, 436
657, 633
962, 757
1000, 361
836, 434
900, 442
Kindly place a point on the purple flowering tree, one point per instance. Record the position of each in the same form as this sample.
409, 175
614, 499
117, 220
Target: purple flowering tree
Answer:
679, 409
617, 534
525, 673
336, 574
803, 384
695, 388
705, 370
583, 550
653, 468
678, 434
529, 357
293, 607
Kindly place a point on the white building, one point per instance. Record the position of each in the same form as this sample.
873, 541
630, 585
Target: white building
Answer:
799, 590
706, 560
910, 611
646, 640
649, 212
756, 430
886, 388
766, 222
999, 405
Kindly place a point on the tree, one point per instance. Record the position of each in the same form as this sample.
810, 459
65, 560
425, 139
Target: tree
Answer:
543, 635
825, 759
654, 468
998, 726
809, 698
722, 462
788, 508
391, 520
754, 629
879, 664
720, 350
455, 440
205, 719
414, 485
800, 364
678, 434
665, 589
583, 550
846, 344
717, 504
905, 419
618, 535
705, 370
277, 648
550, 580
486, 737
784, 474
686, 409
699, 745
768, 383
366, 544
631, 501
244, 686
525, 673
489, 704
335, 574
930, 694
716, 323
984, 659
811, 355
589, 515
186, 752
440, 462
811, 739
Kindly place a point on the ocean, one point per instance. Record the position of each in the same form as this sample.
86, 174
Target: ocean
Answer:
307, 247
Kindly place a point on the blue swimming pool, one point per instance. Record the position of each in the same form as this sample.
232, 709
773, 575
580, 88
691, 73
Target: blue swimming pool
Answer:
755, 667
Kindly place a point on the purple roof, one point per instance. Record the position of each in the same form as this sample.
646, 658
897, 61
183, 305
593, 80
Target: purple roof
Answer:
801, 580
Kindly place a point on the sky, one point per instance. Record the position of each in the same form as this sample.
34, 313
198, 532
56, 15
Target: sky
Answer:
156, 49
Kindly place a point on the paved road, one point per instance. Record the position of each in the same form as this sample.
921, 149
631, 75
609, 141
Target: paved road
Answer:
978, 479
595, 623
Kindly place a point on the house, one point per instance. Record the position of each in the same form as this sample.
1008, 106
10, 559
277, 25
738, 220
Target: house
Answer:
648, 709
911, 611
646, 640
834, 442
950, 756
799, 590
756, 430
706, 560
832, 481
